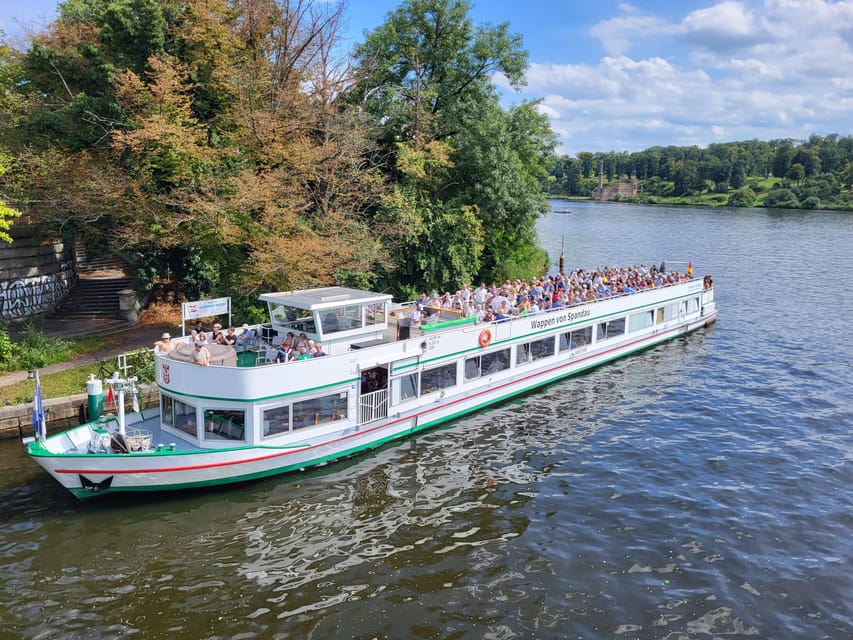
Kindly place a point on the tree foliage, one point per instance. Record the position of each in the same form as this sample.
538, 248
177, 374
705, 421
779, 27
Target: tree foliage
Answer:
816, 168
231, 146
467, 172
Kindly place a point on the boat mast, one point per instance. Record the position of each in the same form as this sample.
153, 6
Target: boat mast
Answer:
120, 386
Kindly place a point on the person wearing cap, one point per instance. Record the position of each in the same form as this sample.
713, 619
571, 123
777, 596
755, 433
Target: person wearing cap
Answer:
246, 337
201, 356
165, 344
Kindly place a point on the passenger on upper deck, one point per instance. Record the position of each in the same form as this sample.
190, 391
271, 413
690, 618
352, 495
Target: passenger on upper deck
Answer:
201, 356
246, 337
284, 353
416, 316
229, 338
216, 335
165, 344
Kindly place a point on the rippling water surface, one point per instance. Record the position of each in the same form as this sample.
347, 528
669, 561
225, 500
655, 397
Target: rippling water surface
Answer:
697, 490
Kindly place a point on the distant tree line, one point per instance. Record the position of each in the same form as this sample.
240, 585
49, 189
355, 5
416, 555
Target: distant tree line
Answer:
814, 173
233, 146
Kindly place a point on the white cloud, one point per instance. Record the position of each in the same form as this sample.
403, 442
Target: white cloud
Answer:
619, 34
722, 26
731, 71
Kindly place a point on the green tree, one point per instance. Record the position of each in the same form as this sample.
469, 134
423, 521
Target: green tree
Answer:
782, 158
7, 213
426, 79
781, 199
743, 197
796, 172
847, 175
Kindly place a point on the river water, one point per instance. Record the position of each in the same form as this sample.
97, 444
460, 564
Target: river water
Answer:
698, 490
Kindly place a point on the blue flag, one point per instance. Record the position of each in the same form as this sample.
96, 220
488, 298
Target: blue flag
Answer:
39, 426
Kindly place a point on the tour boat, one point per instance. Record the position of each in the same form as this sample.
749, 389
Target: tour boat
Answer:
245, 417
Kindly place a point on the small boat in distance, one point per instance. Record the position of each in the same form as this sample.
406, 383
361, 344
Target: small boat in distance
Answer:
562, 210
384, 375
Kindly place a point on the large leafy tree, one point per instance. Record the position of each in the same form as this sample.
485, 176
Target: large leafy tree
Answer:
207, 136
466, 170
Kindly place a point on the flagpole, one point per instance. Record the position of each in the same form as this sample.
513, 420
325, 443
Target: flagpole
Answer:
39, 424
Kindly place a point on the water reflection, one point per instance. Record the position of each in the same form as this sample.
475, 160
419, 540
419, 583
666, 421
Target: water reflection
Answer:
695, 490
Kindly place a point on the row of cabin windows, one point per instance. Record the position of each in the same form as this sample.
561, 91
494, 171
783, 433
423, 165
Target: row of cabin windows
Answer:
435, 379
230, 424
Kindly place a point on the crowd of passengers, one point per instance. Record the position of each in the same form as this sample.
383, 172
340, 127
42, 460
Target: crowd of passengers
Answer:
495, 303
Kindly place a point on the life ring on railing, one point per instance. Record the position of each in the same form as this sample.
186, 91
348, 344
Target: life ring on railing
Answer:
485, 338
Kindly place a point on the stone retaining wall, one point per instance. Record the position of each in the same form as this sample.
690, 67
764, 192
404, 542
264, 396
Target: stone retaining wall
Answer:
35, 274
61, 413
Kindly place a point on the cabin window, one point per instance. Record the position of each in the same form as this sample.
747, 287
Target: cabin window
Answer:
640, 321
276, 421
404, 388
486, 364
535, 350
575, 339
291, 318
438, 378
178, 415
610, 329
375, 314
341, 319
693, 305
670, 311
224, 424
319, 410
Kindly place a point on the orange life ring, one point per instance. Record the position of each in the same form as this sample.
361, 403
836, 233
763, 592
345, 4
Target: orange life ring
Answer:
485, 338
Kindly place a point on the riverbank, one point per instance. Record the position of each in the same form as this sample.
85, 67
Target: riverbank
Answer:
67, 411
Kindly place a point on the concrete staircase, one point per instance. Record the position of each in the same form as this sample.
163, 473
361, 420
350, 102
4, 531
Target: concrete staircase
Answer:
92, 307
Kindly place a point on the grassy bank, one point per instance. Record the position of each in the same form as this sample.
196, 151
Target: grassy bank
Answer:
54, 385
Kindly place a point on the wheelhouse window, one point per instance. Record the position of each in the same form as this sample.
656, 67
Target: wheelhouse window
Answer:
375, 314
224, 424
486, 364
341, 319
320, 410
535, 350
178, 415
438, 378
575, 339
292, 318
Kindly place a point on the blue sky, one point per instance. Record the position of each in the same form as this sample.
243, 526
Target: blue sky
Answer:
624, 76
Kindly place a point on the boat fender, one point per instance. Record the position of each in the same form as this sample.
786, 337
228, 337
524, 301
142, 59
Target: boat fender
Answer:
485, 338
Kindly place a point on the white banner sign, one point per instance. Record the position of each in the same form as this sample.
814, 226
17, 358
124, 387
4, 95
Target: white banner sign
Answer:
204, 308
